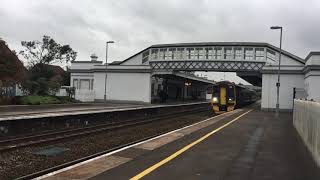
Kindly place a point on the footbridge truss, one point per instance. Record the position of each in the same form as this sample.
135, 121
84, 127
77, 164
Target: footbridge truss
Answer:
234, 57
247, 59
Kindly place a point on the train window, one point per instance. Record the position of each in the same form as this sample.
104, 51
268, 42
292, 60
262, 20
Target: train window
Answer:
230, 92
215, 91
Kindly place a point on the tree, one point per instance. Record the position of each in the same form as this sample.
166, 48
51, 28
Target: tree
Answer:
42, 77
47, 51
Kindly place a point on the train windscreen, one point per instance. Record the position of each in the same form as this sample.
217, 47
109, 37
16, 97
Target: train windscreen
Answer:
230, 93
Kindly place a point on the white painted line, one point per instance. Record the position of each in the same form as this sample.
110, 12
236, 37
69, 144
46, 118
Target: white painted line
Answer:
127, 147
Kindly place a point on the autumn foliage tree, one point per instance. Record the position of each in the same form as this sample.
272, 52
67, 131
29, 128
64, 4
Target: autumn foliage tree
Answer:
40, 55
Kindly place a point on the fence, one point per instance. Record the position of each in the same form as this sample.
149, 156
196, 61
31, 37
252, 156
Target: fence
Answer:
307, 122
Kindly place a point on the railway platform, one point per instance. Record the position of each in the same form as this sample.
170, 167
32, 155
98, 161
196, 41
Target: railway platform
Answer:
16, 112
47, 110
243, 144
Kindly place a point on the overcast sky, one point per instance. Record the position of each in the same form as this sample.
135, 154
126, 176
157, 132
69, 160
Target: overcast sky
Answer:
86, 25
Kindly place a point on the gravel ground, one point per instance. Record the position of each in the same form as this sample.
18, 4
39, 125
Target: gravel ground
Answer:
19, 162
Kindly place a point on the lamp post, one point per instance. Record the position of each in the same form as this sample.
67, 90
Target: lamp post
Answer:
278, 82
105, 78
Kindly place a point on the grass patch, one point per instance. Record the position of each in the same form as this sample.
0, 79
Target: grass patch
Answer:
37, 100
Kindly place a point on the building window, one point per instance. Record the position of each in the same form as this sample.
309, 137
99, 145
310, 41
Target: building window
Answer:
145, 56
168, 55
179, 53
190, 53
218, 53
162, 53
198, 53
248, 53
259, 52
208, 53
154, 54
171, 53
271, 55
238, 53
228, 53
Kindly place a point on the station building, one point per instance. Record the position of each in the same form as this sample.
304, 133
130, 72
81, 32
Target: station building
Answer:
164, 68
132, 82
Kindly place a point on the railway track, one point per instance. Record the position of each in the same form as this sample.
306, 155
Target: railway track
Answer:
51, 137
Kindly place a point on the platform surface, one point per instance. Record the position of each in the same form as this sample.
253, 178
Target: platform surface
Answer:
236, 145
36, 111
24, 110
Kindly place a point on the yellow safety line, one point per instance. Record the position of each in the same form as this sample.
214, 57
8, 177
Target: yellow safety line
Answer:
174, 155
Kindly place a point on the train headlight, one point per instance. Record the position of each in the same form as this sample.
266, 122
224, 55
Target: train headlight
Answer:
215, 99
230, 99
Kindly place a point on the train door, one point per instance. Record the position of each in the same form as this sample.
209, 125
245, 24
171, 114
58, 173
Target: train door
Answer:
223, 96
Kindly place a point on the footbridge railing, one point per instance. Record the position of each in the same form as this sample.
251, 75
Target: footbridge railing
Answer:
227, 66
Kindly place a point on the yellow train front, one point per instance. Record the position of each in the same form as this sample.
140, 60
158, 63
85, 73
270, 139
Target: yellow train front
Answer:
223, 97
226, 96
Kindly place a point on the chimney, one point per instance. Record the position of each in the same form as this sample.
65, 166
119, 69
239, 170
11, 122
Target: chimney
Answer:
94, 57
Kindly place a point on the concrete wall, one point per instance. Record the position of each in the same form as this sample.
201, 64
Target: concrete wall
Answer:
129, 87
84, 95
312, 85
269, 90
285, 60
99, 85
306, 120
312, 77
313, 60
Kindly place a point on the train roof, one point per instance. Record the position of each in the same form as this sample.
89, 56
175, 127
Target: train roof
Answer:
232, 83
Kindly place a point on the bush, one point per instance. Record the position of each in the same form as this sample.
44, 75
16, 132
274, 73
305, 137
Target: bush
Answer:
37, 100
65, 99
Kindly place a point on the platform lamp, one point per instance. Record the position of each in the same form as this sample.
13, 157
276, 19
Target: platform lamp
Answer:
105, 78
278, 82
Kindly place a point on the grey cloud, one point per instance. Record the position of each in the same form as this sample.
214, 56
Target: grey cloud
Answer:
134, 25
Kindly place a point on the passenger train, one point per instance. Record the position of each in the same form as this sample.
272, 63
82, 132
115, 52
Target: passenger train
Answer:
226, 96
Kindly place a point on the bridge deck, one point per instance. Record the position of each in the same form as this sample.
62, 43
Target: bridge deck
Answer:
239, 146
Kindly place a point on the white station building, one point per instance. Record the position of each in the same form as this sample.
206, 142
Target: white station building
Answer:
144, 75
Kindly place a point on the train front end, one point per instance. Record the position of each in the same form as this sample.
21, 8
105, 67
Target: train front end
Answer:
223, 97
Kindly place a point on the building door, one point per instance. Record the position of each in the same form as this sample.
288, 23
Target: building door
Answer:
223, 99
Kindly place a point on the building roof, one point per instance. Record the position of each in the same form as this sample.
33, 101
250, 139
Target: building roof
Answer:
11, 68
58, 72
95, 62
312, 53
115, 63
256, 44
